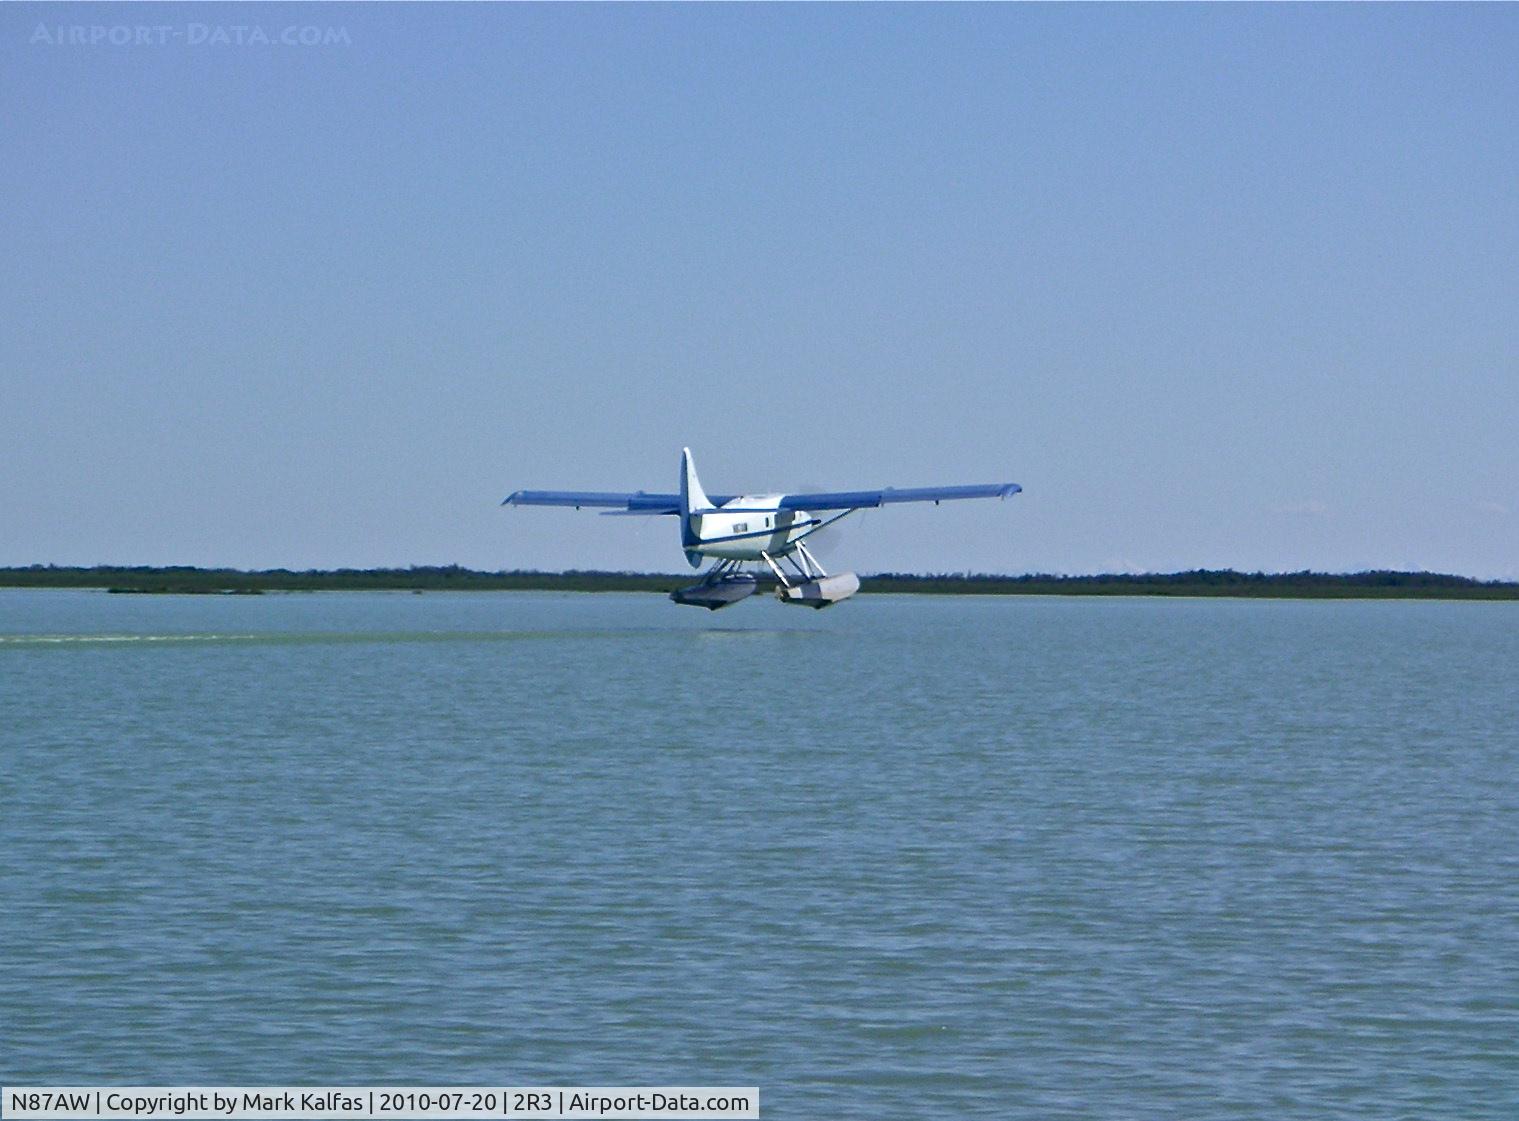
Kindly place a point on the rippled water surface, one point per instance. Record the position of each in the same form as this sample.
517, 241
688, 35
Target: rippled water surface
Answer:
1000, 857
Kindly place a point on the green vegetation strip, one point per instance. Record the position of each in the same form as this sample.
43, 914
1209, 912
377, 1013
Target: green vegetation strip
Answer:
181, 580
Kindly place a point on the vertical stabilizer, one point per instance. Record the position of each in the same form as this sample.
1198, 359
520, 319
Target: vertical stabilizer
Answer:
693, 500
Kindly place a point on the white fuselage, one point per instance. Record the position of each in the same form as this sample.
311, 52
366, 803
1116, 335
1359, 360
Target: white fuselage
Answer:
746, 526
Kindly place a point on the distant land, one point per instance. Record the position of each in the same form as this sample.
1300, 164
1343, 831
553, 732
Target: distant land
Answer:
185, 580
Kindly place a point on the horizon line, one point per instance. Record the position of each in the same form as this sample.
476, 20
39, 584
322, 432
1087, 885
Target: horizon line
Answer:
964, 574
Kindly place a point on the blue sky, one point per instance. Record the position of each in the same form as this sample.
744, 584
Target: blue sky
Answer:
1219, 285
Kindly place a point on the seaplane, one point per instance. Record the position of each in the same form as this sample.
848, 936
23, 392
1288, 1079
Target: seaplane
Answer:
754, 529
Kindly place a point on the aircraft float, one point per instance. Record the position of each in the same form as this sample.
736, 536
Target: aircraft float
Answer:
768, 529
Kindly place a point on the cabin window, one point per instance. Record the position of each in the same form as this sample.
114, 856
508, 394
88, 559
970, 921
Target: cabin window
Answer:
740, 527
767, 523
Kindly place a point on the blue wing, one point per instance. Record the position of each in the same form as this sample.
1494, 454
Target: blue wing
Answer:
642, 502
866, 499
639, 502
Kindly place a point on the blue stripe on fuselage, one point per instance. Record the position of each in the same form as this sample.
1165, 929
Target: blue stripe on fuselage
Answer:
771, 532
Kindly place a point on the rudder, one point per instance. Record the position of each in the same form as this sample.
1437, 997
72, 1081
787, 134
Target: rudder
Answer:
693, 500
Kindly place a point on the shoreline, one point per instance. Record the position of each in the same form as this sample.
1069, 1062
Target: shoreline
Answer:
1206, 583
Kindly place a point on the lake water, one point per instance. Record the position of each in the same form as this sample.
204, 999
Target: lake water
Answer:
909, 857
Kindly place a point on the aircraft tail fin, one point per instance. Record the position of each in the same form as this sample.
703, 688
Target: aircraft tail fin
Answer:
693, 500
692, 497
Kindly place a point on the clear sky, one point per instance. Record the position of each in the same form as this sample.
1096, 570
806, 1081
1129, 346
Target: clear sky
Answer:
1219, 285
